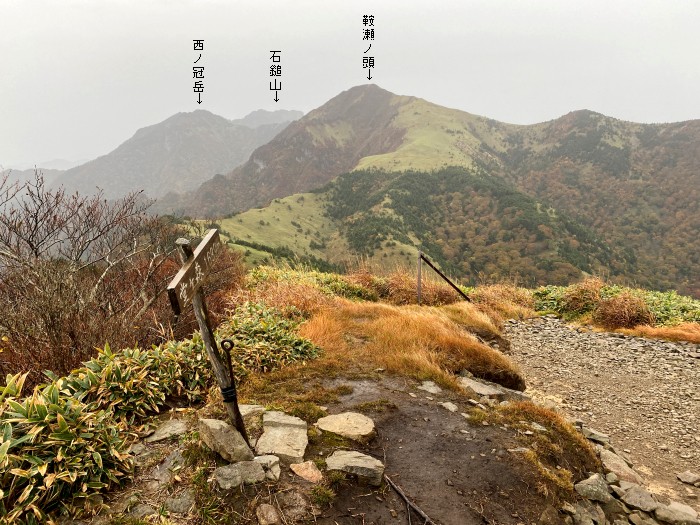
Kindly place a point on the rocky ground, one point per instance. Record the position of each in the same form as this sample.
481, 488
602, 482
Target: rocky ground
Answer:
644, 393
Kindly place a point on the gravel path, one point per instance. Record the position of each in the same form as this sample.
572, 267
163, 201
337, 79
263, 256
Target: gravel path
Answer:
644, 393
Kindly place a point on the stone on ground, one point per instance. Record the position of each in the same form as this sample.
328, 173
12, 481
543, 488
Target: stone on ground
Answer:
237, 474
271, 465
448, 406
348, 424
182, 503
163, 473
594, 488
252, 415
430, 387
225, 440
689, 477
283, 436
594, 435
481, 389
677, 514
640, 499
614, 463
308, 471
357, 463
293, 505
171, 428
267, 515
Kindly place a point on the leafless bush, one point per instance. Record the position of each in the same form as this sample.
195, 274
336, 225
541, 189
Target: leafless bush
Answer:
76, 272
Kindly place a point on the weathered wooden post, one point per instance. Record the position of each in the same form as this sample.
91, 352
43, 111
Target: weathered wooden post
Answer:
186, 287
420, 262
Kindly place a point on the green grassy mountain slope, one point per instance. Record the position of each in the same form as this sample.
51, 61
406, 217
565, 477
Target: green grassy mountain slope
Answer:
474, 225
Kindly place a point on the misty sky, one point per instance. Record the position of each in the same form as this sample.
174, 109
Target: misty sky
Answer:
80, 77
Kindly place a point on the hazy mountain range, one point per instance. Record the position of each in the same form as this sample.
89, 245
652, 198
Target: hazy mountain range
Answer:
177, 154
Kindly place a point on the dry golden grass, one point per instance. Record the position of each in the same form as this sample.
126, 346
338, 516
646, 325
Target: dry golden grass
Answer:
473, 319
682, 332
286, 297
584, 296
419, 342
622, 311
504, 301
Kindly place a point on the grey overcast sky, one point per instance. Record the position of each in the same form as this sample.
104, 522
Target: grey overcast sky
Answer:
81, 76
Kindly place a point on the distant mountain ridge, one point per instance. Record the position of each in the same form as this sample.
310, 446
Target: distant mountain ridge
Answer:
633, 189
177, 154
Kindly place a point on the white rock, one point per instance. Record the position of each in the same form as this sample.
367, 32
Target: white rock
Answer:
171, 428
348, 424
244, 472
271, 465
225, 440
430, 387
357, 463
448, 406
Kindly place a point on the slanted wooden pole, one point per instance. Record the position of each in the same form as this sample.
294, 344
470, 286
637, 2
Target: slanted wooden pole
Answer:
418, 286
223, 376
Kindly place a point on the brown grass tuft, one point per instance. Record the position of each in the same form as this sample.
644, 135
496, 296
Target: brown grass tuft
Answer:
418, 342
623, 311
682, 332
583, 297
289, 298
504, 301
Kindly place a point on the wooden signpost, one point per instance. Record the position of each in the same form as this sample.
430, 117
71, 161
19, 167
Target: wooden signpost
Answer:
185, 288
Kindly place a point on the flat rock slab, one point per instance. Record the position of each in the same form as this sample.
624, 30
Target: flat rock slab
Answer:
182, 503
689, 477
430, 387
252, 415
308, 471
163, 473
640, 499
271, 466
283, 436
225, 440
244, 472
481, 389
447, 405
171, 428
357, 463
348, 424
614, 463
677, 515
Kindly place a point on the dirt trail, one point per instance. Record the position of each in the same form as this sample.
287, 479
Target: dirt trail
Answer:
644, 393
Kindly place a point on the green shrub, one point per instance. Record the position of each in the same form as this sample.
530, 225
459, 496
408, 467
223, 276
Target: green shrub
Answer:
264, 340
54, 451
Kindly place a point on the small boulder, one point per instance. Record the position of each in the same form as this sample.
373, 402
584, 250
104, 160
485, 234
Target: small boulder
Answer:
448, 406
348, 424
170, 428
430, 387
677, 514
271, 466
689, 477
481, 389
614, 463
594, 488
640, 499
268, 515
237, 474
225, 440
357, 463
308, 471
283, 436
